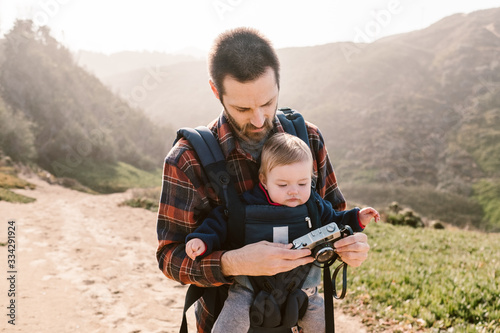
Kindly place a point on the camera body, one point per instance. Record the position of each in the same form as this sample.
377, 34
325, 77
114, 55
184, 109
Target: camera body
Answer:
320, 241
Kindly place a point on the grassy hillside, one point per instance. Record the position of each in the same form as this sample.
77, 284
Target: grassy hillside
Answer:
427, 280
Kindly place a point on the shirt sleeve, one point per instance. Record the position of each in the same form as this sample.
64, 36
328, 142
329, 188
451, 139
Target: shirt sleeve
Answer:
345, 217
213, 231
326, 182
183, 206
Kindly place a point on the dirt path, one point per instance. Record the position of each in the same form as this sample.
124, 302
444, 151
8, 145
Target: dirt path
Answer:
87, 265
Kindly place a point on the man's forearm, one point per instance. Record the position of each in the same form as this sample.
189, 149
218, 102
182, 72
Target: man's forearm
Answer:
227, 264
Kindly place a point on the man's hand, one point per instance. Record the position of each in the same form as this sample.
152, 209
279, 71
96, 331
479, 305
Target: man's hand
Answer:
263, 258
353, 250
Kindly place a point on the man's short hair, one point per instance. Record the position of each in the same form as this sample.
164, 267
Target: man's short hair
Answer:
243, 53
283, 149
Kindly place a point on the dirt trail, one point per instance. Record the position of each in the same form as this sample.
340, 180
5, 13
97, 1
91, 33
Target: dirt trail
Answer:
87, 265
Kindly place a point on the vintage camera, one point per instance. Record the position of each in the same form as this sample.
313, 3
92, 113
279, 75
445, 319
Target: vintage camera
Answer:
320, 241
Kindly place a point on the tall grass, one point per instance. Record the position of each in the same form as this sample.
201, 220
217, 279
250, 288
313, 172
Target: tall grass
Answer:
427, 280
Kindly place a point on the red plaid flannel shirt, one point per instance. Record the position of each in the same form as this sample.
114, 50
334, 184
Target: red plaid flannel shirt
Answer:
186, 200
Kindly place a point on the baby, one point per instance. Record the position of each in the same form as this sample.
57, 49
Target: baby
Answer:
285, 179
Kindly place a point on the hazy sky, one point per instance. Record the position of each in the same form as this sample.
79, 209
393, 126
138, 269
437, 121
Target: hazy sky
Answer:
164, 25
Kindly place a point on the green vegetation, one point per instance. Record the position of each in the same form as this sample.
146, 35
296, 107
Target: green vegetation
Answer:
10, 196
109, 178
16, 136
487, 193
9, 180
144, 198
429, 279
403, 216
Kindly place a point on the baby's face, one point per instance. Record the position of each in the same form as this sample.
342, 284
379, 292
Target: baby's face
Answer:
289, 185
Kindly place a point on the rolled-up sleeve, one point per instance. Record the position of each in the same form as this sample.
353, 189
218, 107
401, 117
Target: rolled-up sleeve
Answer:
326, 183
183, 205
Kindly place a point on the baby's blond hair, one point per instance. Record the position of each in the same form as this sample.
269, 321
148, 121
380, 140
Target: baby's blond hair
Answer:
283, 149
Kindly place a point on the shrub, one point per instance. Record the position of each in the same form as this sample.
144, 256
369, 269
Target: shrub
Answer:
403, 216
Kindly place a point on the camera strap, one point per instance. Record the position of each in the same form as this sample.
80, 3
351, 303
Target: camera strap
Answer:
330, 286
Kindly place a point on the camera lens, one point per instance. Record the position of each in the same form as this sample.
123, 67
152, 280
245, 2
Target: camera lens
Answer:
323, 254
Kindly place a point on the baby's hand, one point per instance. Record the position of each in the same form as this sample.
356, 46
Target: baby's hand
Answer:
366, 214
195, 247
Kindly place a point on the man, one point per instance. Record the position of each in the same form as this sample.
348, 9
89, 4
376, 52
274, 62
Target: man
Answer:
244, 76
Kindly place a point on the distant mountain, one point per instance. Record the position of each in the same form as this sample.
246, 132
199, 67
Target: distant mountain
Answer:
413, 113
177, 94
103, 65
191, 51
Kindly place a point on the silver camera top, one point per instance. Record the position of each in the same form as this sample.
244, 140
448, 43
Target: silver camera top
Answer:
327, 233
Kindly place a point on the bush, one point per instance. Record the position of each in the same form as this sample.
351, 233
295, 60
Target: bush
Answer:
400, 216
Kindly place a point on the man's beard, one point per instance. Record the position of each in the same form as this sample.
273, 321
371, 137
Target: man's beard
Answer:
245, 132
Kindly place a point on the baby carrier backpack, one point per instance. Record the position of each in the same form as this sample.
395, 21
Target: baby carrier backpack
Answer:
279, 301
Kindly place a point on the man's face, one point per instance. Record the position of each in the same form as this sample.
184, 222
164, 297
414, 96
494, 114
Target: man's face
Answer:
251, 106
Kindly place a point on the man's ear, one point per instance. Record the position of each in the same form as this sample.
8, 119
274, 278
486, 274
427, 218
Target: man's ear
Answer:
262, 179
214, 89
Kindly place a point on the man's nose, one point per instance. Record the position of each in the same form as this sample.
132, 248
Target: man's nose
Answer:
258, 118
292, 190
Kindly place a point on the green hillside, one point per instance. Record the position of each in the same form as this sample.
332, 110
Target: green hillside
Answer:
60, 117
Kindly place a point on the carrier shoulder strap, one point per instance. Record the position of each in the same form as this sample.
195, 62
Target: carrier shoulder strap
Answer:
213, 162
293, 123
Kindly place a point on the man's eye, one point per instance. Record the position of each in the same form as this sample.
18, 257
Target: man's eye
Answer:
304, 184
282, 185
